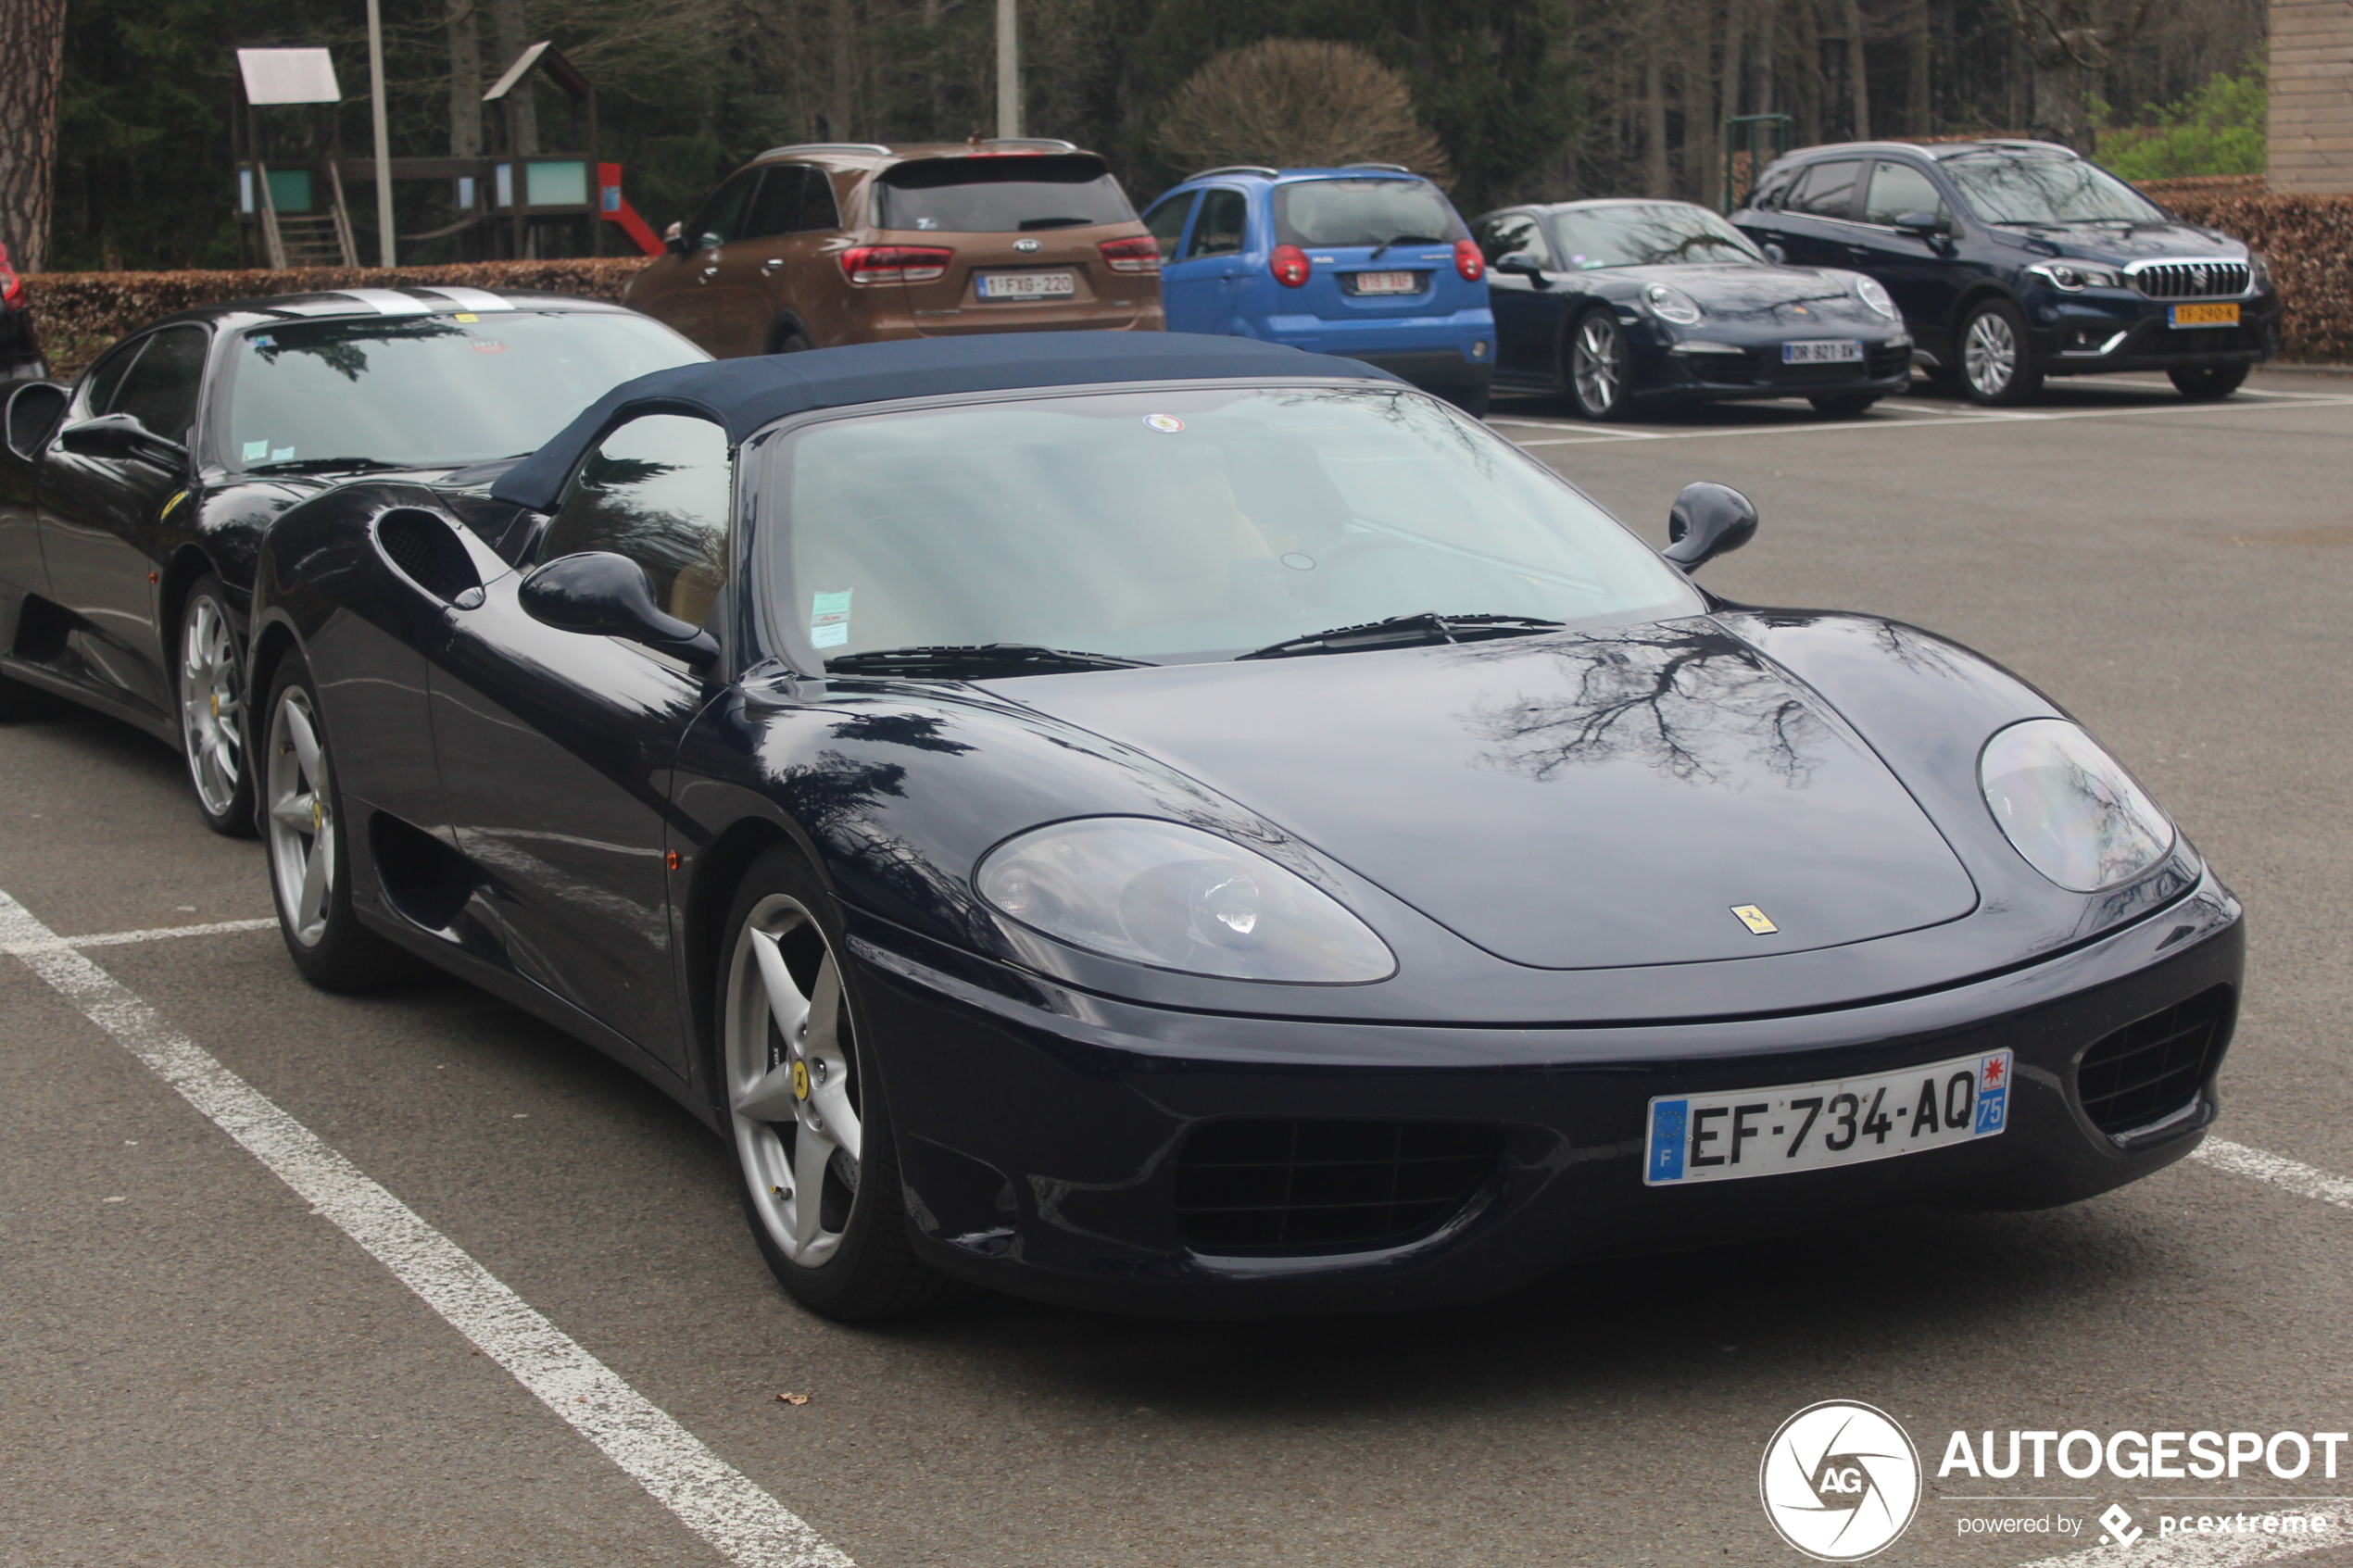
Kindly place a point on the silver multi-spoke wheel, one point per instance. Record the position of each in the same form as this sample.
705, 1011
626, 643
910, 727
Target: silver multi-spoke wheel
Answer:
791, 1080
1596, 364
1989, 357
210, 697
302, 818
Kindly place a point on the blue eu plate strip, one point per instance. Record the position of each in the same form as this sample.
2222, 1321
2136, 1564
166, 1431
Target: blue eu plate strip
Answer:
1668, 1119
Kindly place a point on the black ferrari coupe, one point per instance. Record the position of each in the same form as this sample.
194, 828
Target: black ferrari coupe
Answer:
1619, 303
1179, 824
132, 502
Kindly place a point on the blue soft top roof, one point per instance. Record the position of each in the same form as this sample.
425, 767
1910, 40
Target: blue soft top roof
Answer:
742, 395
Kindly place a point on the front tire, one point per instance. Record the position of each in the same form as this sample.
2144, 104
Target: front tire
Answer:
1998, 368
211, 681
1597, 363
309, 850
804, 1108
2207, 384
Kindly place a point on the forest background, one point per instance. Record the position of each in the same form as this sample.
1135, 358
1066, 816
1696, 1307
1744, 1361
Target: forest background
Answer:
1528, 99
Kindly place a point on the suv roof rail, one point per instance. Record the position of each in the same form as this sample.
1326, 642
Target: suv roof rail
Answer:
829, 148
1391, 168
1234, 168
1052, 144
2021, 142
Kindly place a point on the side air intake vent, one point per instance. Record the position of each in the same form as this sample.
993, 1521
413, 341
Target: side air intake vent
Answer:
1304, 1186
2148, 1070
429, 554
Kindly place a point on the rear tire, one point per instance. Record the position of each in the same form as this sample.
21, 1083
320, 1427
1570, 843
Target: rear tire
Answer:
1594, 363
802, 1105
210, 681
2207, 384
1842, 405
308, 845
1998, 366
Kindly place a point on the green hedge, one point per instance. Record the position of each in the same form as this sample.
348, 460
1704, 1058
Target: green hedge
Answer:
77, 314
2308, 242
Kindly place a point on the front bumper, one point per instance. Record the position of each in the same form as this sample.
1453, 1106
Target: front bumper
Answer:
1040, 1128
2102, 330
1453, 351
1752, 368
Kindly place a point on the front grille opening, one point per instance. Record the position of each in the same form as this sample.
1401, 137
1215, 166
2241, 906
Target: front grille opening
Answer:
427, 552
2148, 1070
1304, 1187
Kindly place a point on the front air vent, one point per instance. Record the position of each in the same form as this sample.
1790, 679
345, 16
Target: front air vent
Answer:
2150, 1069
428, 553
1271, 1187
2191, 279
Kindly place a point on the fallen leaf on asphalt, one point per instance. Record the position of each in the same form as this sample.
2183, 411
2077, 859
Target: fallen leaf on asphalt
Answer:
794, 1398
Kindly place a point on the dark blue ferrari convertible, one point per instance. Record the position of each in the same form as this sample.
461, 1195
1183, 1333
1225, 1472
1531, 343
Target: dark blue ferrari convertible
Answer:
1184, 825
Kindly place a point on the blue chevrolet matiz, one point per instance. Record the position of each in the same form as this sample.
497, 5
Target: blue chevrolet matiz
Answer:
1369, 261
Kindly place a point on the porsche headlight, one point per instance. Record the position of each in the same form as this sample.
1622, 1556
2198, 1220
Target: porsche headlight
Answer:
1870, 293
1176, 897
2070, 807
1670, 304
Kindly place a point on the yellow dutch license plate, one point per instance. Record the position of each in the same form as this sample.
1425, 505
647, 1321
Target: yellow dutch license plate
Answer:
2206, 315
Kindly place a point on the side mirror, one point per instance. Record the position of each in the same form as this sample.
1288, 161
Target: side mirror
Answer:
602, 594
1522, 262
674, 239
1709, 521
33, 410
1919, 225
119, 437
1776, 255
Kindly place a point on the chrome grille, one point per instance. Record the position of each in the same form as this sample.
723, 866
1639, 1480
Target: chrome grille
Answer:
2191, 279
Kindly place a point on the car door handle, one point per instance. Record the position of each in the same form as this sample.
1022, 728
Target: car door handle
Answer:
706, 274
768, 267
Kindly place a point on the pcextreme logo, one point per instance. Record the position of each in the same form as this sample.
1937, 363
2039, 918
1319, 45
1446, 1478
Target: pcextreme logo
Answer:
1841, 1481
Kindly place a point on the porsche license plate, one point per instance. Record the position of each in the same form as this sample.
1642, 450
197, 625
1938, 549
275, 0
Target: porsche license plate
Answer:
1820, 351
1028, 285
2206, 315
1387, 282
1813, 1126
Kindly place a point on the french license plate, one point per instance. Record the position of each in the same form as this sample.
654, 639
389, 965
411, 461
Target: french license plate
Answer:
1028, 285
1388, 283
1812, 1126
2206, 315
1820, 351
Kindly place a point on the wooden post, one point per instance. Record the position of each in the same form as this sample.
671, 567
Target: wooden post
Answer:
2312, 91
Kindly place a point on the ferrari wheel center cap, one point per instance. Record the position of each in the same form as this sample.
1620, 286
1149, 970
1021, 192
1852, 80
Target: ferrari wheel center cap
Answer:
800, 1080
317, 814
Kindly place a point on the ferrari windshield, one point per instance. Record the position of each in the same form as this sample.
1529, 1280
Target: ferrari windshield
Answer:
2007, 188
1183, 525
1646, 234
430, 391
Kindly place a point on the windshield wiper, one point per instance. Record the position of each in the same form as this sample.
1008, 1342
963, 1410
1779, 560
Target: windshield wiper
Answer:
1408, 631
1401, 240
325, 465
974, 661
1028, 223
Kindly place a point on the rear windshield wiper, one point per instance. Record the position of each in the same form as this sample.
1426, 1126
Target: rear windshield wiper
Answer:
1401, 240
325, 465
974, 661
1028, 223
1408, 631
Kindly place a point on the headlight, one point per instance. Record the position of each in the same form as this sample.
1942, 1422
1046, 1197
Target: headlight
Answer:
2259, 273
2070, 807
1670, 304
1176, 897
2071, 276
1869, 290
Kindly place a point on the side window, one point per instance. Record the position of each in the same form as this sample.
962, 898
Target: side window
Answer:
1219, 231
1513, 232
106, 378
1166, 221
1826, 191
1773, 189
161, 390
1897, 189
818, 213
722, 218
657, 491
776, 210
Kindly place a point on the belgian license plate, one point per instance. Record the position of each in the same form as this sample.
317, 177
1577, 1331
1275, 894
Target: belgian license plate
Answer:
1820, 351
2206, 315
1028, 285
1813, 1126
1388, 283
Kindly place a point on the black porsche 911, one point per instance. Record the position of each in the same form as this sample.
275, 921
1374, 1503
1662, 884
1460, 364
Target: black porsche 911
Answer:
1181, 824
1615, 304
132, 503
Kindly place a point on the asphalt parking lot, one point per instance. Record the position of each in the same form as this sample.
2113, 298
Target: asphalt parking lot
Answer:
204, 1368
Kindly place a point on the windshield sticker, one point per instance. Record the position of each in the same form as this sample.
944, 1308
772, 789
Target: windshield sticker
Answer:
829, 618
282, 454
1168, 424
256, 450
486, 346
262, 340
465, 316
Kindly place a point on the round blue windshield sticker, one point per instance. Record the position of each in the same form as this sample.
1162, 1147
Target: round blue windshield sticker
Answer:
1168, 424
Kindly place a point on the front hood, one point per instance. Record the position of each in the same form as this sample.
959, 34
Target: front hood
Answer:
1774, 298
2117, 245
1571, 801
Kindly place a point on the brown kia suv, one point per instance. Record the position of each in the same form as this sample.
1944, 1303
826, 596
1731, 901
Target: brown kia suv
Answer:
833, 242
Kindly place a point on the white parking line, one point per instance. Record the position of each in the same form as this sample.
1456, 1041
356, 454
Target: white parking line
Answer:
710, 1496
2303, 1180
1963, 416
121, 939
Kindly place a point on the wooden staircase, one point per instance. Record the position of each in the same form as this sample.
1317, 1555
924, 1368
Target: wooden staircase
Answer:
316, 239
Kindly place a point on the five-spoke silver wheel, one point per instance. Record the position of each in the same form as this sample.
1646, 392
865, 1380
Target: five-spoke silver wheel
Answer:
211, 682
1597, 366
792, 1080
302, 818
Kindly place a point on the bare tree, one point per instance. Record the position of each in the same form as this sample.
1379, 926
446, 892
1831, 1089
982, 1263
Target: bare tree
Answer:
511, 37
33, 41
1293, 101
2066, 42
463, 24
1857, 72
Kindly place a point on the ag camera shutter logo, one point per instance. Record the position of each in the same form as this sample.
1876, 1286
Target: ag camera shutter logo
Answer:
1841, 1481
